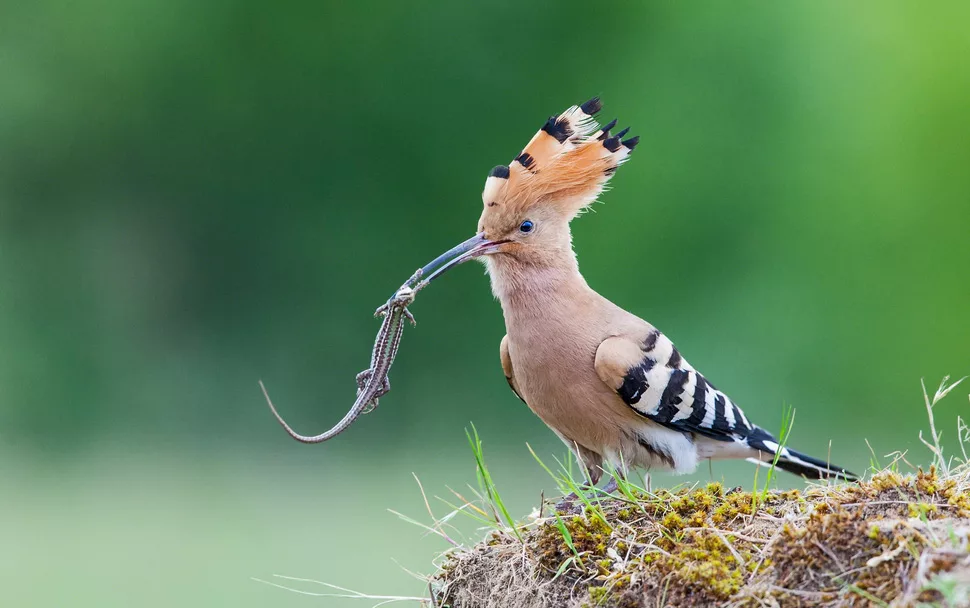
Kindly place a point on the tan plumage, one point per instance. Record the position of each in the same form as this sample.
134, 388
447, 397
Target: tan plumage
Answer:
608, 383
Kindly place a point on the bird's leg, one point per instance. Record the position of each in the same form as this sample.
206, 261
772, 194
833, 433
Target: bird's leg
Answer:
571, 502
612, 486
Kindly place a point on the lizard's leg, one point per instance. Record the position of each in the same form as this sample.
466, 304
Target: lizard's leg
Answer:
385, 386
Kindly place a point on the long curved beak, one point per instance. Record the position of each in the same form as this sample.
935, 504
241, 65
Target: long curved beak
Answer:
472, 248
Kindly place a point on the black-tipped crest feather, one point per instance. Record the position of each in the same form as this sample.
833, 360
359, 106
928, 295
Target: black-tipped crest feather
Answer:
501, 171
558, 127
592, 106
606, 129
612, 143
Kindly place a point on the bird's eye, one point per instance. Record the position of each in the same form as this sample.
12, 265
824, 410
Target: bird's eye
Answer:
526, 226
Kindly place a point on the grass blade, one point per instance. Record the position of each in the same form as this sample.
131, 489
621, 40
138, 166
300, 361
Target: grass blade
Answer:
494, 498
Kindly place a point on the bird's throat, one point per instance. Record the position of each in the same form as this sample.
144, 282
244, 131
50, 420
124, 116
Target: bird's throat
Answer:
529, 290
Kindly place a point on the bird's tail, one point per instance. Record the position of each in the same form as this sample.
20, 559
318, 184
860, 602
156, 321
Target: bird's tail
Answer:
792, 461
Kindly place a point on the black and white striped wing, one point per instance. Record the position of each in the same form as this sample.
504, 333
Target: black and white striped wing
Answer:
663, 387
655, 381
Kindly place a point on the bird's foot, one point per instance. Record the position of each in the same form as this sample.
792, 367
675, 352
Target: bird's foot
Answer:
573, 505
569, 505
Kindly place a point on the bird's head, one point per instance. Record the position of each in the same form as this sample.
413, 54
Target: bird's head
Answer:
528, 205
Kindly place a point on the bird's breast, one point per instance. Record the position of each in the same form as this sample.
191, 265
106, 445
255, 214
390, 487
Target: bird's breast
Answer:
554, 369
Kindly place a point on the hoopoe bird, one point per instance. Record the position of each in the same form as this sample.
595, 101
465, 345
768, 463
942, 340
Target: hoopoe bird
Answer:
609, 384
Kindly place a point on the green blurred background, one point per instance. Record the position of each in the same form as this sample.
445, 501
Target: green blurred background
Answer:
197, 195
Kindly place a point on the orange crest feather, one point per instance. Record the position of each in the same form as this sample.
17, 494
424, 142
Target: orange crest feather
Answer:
566, 164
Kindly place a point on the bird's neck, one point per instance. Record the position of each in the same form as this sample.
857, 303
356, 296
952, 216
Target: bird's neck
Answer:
533, 290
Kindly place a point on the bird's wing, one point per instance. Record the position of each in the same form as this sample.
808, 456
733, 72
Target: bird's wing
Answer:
507, 367
651, 377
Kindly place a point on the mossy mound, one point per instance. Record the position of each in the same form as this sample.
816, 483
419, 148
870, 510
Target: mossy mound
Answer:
894, 539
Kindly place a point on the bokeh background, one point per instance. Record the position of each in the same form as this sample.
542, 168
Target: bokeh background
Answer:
197, 195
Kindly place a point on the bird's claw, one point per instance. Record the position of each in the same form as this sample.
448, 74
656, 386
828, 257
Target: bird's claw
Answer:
573, 504
569, 505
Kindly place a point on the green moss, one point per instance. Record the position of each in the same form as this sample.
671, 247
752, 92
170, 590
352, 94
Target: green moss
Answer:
699, 546
598, 595
724, 513
921, 510
672, 522
705, 564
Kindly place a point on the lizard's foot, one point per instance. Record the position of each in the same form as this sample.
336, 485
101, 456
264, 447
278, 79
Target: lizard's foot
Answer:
362, 379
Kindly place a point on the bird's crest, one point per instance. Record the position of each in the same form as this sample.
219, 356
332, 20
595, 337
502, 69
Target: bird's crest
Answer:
566, 164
